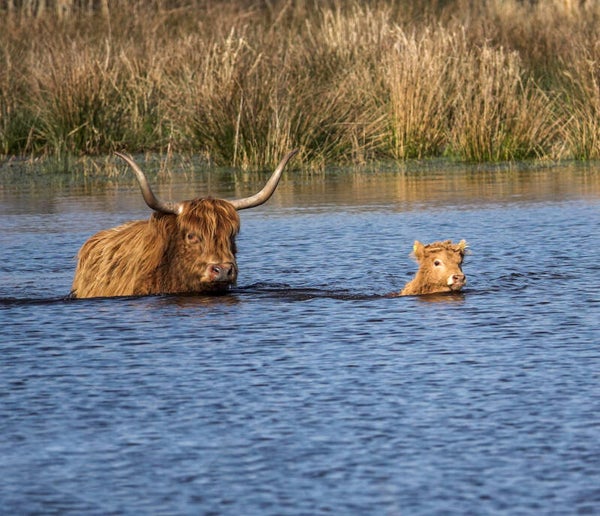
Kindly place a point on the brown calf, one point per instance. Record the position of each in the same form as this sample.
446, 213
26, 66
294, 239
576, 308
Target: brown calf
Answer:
439, 268
185, 247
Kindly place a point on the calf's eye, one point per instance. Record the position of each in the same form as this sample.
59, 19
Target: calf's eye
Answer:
437, 263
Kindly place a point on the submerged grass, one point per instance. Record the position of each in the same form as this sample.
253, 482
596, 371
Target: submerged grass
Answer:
240, 83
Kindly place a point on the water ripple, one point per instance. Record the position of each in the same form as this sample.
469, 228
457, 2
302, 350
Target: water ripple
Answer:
307, 390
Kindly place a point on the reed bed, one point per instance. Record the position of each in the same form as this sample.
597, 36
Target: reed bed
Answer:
240, 83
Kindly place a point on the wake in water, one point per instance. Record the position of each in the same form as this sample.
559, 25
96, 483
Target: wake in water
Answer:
279, 291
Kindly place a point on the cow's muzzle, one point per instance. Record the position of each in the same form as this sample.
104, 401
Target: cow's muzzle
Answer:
222, 272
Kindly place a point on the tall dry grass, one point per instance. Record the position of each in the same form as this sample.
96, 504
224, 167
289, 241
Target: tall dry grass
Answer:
242, 82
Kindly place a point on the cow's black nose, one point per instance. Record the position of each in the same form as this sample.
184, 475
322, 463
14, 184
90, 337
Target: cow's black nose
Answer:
222, 271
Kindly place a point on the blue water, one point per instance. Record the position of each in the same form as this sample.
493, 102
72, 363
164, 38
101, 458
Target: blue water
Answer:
306, 390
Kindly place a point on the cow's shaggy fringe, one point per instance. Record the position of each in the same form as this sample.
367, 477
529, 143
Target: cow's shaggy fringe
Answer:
242, 82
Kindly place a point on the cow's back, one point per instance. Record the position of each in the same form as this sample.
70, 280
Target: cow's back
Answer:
123, 261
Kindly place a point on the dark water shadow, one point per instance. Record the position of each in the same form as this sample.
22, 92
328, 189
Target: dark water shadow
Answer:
275, 291
285, 292
288, 293
234, 296
183, 300
17, 301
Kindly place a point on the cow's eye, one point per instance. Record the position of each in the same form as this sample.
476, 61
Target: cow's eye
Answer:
192, 237
437, 263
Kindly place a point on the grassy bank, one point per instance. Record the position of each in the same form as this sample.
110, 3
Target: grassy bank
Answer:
242, 82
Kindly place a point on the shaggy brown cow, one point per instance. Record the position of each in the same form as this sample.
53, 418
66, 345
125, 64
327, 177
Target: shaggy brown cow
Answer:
185, 247
439, 268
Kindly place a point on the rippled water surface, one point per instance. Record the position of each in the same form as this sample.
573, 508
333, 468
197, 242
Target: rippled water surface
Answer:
306, 390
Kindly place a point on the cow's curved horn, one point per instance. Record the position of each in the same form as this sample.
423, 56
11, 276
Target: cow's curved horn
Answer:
151, 200
268, 189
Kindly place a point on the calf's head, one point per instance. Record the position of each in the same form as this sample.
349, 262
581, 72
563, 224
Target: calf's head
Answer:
440, 268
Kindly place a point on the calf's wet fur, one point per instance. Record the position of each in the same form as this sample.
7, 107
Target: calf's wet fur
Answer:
440, 268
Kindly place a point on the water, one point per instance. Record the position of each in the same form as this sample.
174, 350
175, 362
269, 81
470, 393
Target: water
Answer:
306, 390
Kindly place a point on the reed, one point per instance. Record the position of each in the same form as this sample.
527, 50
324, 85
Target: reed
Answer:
418, 81
580, 107
241, 83
498, 114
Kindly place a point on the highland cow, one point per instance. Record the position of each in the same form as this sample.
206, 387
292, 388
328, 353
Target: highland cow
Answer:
439, 268
185, 247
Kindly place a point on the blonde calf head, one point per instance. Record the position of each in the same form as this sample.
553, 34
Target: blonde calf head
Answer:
439, 268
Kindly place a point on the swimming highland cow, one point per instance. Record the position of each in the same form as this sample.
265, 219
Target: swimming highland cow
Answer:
439, 268
185, 247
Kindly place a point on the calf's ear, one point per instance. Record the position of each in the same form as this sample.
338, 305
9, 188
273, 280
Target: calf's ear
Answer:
418, 249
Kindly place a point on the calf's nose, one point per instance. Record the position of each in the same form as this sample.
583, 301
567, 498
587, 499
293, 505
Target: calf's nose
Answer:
459, 279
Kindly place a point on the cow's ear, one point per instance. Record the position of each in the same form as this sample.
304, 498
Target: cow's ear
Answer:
462, 246
418, 250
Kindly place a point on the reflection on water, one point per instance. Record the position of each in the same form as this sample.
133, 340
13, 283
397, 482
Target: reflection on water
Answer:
460, 188
199, 301
308, 389
453, 297
405, 189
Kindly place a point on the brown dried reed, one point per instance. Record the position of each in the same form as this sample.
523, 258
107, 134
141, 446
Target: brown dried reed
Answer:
243, 82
